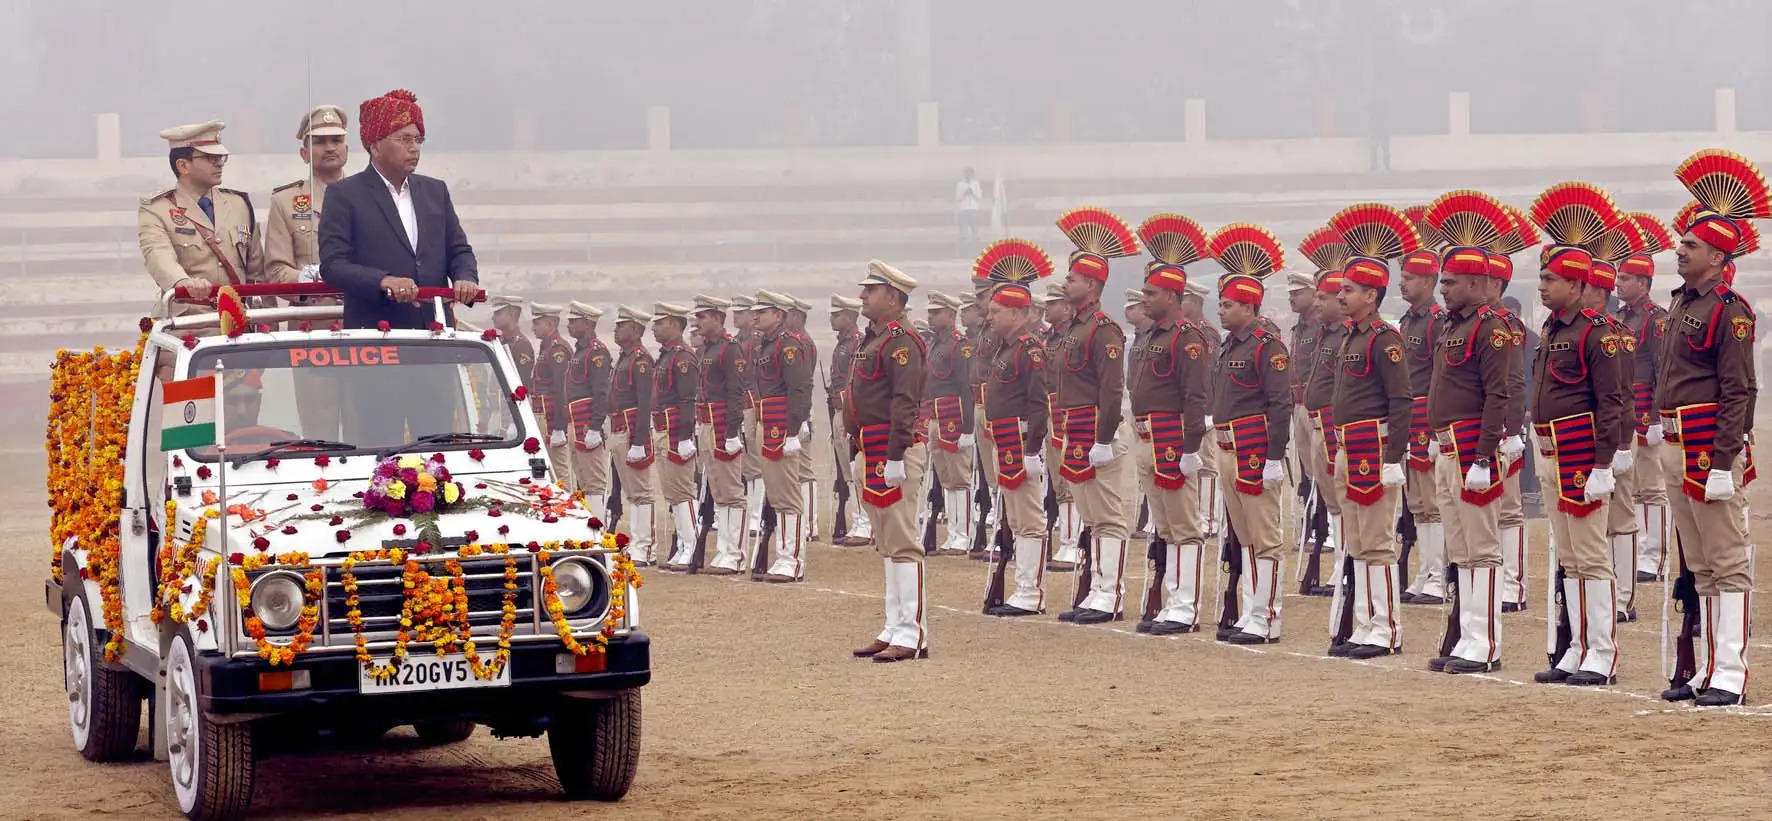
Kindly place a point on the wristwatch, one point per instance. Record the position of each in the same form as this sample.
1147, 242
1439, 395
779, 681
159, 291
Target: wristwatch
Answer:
1482, 462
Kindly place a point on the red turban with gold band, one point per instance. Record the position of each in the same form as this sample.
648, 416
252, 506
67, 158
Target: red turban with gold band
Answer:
1167, 277
1603, 275
380, 116
1093, 266
1501, 266
1466, 260
1012, 296
1372, 273
1242, 288
1329, 282
1567, 261
1421, 263
1720, 232
1637, 265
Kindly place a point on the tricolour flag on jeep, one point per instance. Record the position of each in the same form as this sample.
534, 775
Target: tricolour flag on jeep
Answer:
188, 418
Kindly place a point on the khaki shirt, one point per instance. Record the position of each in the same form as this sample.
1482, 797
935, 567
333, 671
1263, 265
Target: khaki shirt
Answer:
1015, 387
1088, 370
1579, 371
1319, 384
1251, 380
1471, 369
587, 379
1168, 372
1708, 356
171, 227
1372, 382
1421, 328
292, 234
547, 384
886, 384
676, 383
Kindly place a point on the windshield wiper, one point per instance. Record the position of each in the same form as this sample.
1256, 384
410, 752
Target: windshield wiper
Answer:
282, 445
434, 438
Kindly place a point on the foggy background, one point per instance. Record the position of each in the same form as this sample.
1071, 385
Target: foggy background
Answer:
775, 73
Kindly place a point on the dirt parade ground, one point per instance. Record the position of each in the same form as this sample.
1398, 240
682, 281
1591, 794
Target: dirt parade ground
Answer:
757, 710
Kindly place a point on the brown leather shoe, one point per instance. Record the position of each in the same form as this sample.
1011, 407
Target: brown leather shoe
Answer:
719, 571
895, 653
870, 650
856, 541
777, 578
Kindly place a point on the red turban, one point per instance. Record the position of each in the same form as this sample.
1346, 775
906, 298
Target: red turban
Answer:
1167, 277
1638, 265
1501, 266
1466, 260
1241, 288
1602, 275
1329, 282
1372, 273
380, 116
1722, 233
1567, 261
1093, 266
1012, 296
1421, 263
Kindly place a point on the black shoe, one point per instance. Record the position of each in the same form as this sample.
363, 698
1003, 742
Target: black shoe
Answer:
1406, 597
1341, 649
1645, 577
1718, 697
1683, 692
1172, 628
1370, 651
1584, 678
1010, 610
1225, 633
1323, 590
1513, 606
1095, 617
1438, 663
1144, 626
1241, 637
1426, 599
1458, 666
1555, 675
1070, 615
1628, 615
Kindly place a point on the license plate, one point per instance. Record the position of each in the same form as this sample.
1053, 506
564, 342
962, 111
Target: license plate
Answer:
431, 672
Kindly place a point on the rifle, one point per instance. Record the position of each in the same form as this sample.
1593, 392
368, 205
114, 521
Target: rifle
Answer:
1341, 610
1684, 591
698, 556
1158, 556
1308, 574
935, 505
839, 522
1453, 632
1230, 553
981, 499
1144, 516
760, 565
993, 591
1319, 522
1085, 577
612, 514
1406, 532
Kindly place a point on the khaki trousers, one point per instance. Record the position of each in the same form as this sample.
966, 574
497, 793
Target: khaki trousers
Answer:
1102, 499
954, 469
986, 450
1421, 494
725, 478
1712, 535
753, 455
1621, 504
1651, 477
590, 468
1026, 508
1583, 551
1370, 531
1473, 533
781, 483
1256, 519
1061, 489
895, 526
676, 481
1175, 514
1318, 465
638, 487
560, 457
1510, 511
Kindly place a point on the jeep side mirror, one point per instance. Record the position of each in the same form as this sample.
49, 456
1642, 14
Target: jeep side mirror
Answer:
538, 467
182, 485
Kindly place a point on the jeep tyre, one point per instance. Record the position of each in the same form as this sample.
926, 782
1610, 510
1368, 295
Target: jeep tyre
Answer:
596, 745
104, 705
443, 732
211, 763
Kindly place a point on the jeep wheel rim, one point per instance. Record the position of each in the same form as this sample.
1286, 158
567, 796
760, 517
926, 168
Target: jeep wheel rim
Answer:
182, 737
77, 671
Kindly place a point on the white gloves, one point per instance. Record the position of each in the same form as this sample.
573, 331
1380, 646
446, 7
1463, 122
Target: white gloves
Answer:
1622, 460
309, 273
686, 449
733, 445
1035, 464
965, 442
1391, 475
1100, 454
1513, 446
1720, 486
1273, 474
1190, 464
1477, 479
593, 439
557, 439
791, 445
806, 428
1654, 435
1599, 484
1433, 448
636, 453
894, 472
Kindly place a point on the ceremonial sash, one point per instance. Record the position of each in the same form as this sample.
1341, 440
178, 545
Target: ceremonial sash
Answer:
1514, 465
1644, 393
666, 422
1419, 433
215, 247
1247, 439
1325, 417
1461, 438
874, 490
1363, 442
581, 410
1163, 431
1573, 446
624, 423
1698, 433
947, 417
713, 414
1011, 464
543, 406
1079, 437
772, 420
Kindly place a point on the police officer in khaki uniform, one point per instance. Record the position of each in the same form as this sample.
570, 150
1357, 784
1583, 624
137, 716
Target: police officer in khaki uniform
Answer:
587, 396
630, 430
1067, 525
885, 392
809, 492
719, 420
845, 313
1621, 519
292, 250
507, 319
783, 367
197, 234
547, 383
1647, 323
949, 410
1420, 327
1016, 401
1193, 309
676, 387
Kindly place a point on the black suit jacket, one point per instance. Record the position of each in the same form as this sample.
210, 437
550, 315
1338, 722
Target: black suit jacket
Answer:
362, 241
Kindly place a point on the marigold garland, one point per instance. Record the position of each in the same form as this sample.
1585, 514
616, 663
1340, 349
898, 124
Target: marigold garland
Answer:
178, 563
313, 587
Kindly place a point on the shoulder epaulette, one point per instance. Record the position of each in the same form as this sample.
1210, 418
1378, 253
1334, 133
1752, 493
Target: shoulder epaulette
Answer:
1434, 308
167, 194
1726, 293
287, 186
1260, 333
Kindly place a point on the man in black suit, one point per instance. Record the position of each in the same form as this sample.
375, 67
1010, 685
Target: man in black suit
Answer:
388, 231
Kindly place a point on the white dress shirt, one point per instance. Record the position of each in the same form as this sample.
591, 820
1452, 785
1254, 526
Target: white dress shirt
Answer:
403, 205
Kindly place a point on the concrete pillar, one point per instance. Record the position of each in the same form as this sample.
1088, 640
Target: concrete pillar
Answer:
109, 130
928, 123
915, 49
1458, 113
1325, 116
1724, 102
1194, 120
658, 128
1059, 123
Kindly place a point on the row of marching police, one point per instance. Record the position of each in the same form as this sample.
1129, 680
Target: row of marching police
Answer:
1011, 419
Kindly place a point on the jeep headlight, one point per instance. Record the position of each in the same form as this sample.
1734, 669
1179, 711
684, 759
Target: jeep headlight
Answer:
277, 599
576, 584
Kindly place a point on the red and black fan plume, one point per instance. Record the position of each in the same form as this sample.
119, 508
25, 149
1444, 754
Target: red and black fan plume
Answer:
1431, 238
1012, 260
1246, 249
1523, 235
1683, 220
1750, 239
1098, 232
1325, 248
1575, 213
1727, 183
1376, 230
1623, 240
1655, 236
1172, 238
1469, 218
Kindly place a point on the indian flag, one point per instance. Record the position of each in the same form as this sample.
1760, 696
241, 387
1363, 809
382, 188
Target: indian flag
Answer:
188, 417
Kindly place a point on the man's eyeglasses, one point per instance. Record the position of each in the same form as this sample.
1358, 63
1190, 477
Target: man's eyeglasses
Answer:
409, 141
214, 159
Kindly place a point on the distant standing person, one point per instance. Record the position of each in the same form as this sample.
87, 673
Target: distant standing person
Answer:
389, 231
968, 201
